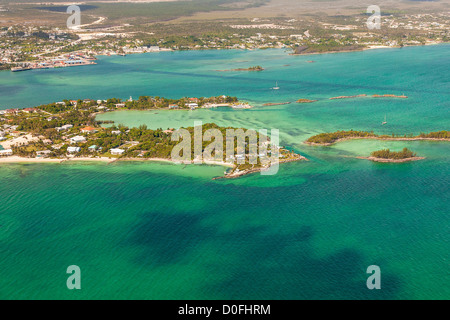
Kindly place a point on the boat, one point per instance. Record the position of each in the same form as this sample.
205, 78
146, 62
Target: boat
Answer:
384, 122
276, 86
17, 69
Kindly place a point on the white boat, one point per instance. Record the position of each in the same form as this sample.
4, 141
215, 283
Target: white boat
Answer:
384, 122
276, 86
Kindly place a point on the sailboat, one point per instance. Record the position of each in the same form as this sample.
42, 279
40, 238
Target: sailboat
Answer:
384, 122
276, 86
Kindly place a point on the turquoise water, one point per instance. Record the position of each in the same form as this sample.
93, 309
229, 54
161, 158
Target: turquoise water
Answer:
161, 231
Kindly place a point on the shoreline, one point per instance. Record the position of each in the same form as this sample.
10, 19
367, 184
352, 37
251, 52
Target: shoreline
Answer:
235, 175
384, 160
374, 138
291, 54
17, 159
368, 48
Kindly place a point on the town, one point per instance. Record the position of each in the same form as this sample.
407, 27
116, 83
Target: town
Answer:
38, 47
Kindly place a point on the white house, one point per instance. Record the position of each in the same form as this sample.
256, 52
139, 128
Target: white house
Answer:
6, 152
77, 139
117, 151
73, 149
67, 126
116, 132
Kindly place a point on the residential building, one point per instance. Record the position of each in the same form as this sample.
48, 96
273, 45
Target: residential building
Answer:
77, 139
88, 130
116, 151
6, 152
73, 149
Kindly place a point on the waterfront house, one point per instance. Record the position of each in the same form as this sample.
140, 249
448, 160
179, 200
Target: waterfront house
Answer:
30, 110
93, 148
116, 151
73, 149
192, 106
89, 130
73, 102
6, 152
120, 105
173, 106
77, 139
12, 111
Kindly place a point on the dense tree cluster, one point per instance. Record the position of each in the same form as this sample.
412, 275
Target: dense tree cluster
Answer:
323, 138
388, 154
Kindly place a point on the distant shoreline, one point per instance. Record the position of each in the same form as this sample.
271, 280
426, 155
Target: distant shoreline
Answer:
366, 49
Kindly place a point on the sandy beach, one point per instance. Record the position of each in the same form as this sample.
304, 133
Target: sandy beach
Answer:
16, 159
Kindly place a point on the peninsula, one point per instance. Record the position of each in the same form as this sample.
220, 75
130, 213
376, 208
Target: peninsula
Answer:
61, 132
326, 139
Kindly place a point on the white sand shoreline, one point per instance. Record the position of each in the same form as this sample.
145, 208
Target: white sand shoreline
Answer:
17, 159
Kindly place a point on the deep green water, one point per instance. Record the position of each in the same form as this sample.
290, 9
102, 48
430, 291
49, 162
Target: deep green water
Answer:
161, 231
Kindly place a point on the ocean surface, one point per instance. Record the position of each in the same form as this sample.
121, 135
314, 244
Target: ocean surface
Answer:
164, 231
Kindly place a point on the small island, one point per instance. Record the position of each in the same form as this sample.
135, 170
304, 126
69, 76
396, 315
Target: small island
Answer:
387, 155
275, 103
254, 68
348, 97
305, 101
389, 96
327, 139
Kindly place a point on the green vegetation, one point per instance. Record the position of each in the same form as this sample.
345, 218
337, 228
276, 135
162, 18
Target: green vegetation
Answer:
329, 138
436, 135
255, 68
388, 154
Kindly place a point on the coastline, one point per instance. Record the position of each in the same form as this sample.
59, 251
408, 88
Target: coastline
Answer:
367, 48
374, 138
17, 159
384, 160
